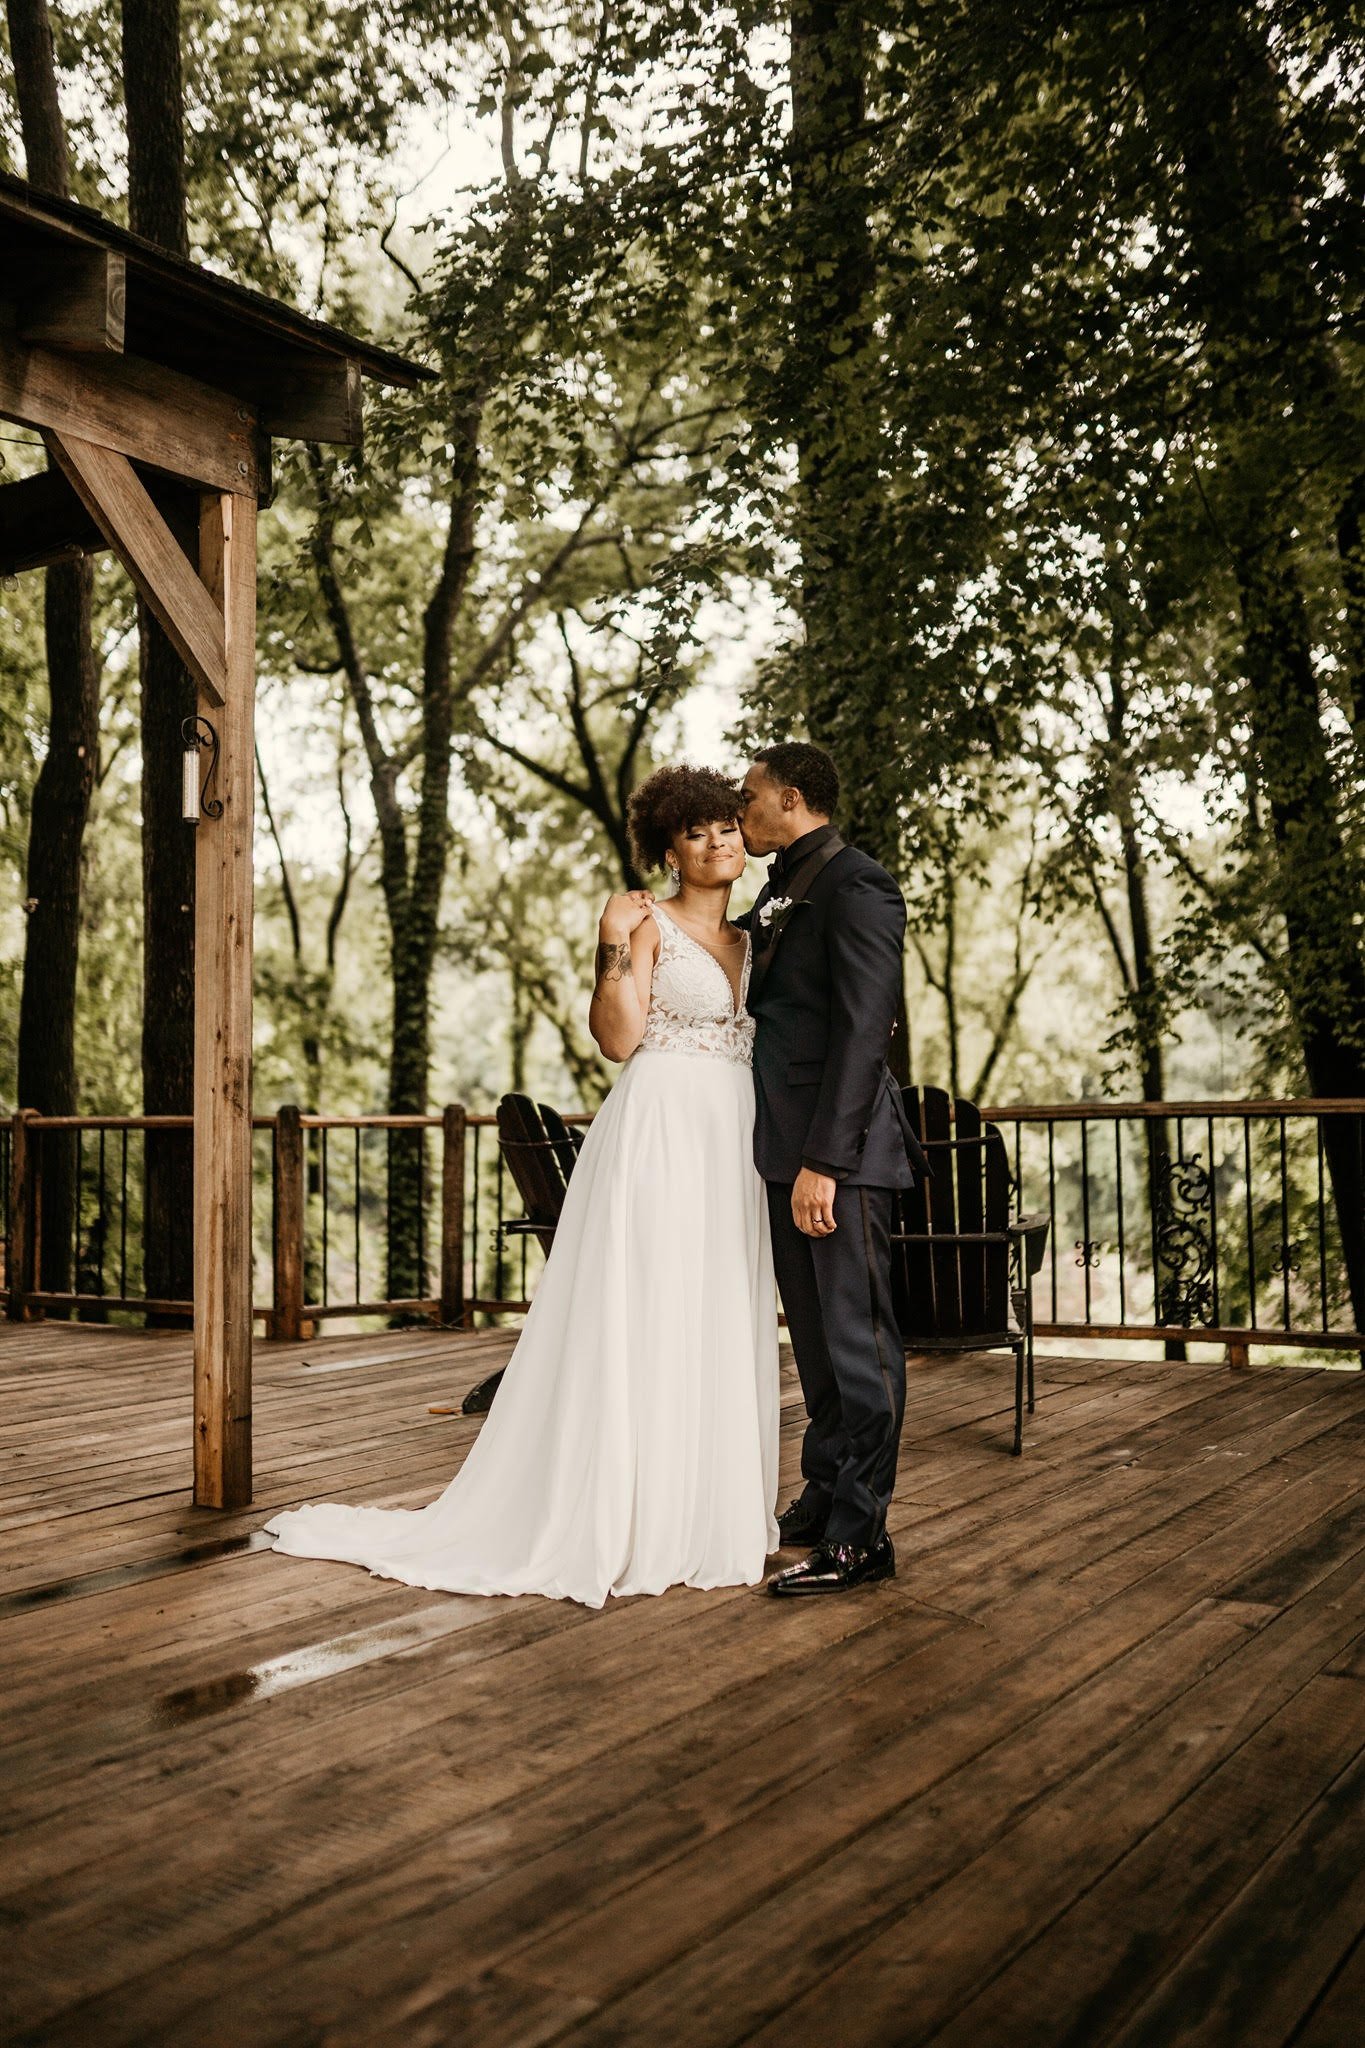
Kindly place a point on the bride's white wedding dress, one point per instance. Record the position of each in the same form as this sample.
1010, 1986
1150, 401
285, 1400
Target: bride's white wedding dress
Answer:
633, 1442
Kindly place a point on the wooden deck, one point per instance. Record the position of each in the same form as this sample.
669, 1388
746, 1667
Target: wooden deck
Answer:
1091, 1771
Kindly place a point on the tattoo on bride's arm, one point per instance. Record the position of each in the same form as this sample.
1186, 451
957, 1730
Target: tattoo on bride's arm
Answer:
613, 963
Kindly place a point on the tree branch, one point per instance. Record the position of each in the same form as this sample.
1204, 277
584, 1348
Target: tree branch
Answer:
290, 905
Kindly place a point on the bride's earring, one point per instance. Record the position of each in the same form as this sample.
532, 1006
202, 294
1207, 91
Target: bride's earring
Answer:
675, 877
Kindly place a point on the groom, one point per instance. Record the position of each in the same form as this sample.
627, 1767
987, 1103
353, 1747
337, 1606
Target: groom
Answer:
832, 1141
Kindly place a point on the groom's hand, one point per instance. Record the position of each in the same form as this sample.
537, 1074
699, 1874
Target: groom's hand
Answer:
813, 1203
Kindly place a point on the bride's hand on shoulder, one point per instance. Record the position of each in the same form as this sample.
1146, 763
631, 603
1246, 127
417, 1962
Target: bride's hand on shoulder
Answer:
624, 913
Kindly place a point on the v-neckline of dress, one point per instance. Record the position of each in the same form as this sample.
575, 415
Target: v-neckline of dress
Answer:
736, 999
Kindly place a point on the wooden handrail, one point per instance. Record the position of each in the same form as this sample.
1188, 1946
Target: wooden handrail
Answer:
1009, 1112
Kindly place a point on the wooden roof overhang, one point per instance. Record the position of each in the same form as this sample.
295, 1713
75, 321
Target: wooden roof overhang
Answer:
157, 387
185, 374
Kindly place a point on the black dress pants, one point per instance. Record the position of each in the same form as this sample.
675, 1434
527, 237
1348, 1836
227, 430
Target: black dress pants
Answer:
836, 1292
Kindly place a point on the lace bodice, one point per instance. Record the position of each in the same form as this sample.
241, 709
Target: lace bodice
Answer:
691, 1003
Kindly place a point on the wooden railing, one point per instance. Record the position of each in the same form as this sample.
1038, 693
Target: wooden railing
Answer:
1211, 1220
330, 1235
1234, 1223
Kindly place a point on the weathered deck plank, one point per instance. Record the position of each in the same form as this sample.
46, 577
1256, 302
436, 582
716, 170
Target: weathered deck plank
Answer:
1050, 1786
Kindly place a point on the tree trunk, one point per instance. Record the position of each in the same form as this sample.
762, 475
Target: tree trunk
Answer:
156, 208
1327, 985
409, 1072
1144, 1000
61, 806
154, 102
47, 1078
828, 397
1267, 339
35, 87
415, 908
1351, 548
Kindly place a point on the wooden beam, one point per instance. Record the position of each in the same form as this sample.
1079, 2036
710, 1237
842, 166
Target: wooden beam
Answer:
42, 520
138, 409
326, 404
75, 299
109, 488
289, 1179
222, 1031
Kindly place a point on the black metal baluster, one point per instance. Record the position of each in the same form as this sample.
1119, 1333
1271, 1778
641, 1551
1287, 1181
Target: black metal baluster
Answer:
355, 1221
80, 1192
422, 1211
103, 1223
388, 1209
474, 1218
1153, 1204
323, 1191
1286, 1248
123, 1216
1087, 1243
1322, 1226
1213, 1223
1118, 1209
498, 1276
1251, 1225
1052, 1233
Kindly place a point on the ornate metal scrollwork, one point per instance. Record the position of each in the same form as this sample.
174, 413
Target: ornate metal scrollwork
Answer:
1184, 1241
1088, 1250
1287, 1258
200, 738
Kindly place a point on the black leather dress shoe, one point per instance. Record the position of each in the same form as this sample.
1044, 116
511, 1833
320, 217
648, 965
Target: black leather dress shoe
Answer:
802, 1522
836, 1568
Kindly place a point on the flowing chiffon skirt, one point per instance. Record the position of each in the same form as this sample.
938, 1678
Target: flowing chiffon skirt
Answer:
633, 1442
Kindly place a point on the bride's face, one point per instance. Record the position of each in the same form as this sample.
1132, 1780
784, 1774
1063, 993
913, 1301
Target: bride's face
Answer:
709, 855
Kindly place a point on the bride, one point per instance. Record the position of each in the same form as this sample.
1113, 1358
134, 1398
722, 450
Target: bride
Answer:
633, 1442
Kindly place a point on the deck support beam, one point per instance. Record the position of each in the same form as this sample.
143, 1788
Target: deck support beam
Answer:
222, 1029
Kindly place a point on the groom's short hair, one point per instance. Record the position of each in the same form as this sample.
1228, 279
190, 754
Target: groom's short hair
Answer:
809, 770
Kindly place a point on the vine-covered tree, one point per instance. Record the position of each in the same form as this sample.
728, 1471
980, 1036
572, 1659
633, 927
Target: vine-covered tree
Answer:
60, 804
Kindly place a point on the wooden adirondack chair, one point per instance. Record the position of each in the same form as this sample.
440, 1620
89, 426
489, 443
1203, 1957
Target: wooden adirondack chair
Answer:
540, 1150
962, 1265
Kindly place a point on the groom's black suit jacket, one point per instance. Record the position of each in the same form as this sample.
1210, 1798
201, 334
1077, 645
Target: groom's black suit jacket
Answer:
824, 990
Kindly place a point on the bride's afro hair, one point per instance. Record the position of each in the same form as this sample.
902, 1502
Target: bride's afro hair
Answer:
674, 800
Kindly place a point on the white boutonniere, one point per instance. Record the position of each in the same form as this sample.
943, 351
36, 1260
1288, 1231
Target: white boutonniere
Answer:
775, 913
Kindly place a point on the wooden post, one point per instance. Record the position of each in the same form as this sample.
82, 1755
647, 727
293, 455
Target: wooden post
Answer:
222, 1028
287, 1320
1239, 1356
454, 1122
19, 1277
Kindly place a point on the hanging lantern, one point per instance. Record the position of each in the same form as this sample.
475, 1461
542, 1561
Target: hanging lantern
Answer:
199, 737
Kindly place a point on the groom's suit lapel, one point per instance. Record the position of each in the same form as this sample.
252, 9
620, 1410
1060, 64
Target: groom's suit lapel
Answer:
795, 889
